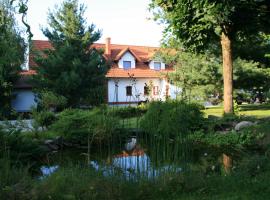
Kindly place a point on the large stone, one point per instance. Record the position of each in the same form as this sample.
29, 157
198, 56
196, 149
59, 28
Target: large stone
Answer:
243, 124
48, 142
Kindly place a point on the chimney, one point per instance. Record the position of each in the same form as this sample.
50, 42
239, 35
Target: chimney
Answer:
108, 46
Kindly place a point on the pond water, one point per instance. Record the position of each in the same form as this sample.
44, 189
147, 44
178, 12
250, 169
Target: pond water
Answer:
136, 158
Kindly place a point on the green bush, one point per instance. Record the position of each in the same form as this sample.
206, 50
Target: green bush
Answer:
51, 101
43, 118
172, 118
231, 139
129, 112
78, 124
19, 148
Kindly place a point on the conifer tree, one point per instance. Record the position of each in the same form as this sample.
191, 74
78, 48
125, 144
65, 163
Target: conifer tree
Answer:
72, 68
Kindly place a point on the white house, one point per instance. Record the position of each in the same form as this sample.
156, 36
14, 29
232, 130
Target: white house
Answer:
134, 76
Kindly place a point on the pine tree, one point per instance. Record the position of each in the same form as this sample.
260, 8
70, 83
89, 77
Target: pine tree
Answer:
72, 68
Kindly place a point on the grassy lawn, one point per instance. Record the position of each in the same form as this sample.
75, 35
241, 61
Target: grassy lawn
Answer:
258, 111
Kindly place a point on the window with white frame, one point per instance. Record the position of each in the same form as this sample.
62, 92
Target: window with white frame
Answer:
157, 65
127, 64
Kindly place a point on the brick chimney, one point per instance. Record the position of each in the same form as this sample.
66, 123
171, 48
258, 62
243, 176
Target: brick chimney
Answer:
108, 46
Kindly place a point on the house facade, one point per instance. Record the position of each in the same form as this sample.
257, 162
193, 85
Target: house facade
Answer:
133, 77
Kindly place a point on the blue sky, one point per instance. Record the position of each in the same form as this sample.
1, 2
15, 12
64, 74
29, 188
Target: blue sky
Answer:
125, 21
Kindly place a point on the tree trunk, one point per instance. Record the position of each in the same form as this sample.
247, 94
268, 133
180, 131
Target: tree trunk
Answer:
227, 73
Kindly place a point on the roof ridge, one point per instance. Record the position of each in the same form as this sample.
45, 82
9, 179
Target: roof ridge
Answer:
98, 43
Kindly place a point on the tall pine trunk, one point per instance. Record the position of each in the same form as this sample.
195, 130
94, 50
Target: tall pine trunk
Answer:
227, 73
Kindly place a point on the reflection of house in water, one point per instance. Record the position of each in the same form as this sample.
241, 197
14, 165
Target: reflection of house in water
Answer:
135, 152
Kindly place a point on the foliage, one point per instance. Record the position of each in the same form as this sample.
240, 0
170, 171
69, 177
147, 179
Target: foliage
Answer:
72, 68
202, 24
198, 23
43, 118
12, 49
49, 101
19, 148
198, 75
15, 181
129, 112
172, 118
230, 140
250, 76
78, 182
78, 125
255, 48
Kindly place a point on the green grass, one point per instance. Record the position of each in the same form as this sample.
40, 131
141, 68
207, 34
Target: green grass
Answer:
258, 111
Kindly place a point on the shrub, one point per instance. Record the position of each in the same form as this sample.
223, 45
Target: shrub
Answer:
172, 118
78, 124
51, 101
43, 118
129, 112
20, 149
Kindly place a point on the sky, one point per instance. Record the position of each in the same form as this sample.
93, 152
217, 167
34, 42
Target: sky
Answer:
124, 21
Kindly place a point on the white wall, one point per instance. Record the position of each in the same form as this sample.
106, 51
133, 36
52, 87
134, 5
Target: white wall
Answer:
24, 100
137, 89
151, 64
127, 57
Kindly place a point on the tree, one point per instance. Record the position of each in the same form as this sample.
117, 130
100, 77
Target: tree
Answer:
198, 75
250, 78
12, 48
72, 68
199, 23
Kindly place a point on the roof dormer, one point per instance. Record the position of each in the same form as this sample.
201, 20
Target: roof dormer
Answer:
126, 59
157, 65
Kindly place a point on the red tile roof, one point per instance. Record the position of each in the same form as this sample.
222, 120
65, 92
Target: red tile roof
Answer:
143, 55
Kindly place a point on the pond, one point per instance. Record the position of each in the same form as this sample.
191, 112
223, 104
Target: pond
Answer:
141, 158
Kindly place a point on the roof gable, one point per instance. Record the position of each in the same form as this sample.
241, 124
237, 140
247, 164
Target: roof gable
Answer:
124, 51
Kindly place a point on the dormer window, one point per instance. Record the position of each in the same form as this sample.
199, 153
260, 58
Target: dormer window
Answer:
157, 65
127, 64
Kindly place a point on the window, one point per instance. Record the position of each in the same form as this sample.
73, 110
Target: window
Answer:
128, 91
146, 90
157, 65
127, 64
155, 90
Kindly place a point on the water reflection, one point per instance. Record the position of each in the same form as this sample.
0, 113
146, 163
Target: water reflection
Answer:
132, 165
133, 160
48, 170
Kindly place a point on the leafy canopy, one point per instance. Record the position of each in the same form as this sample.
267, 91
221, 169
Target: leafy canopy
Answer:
198, 23
73, 68
12, 48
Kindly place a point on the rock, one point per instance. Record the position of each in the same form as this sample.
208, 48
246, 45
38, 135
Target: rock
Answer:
51, 144
67, 144
53, 147
58, 140
48, 142
243, 124
131, 145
